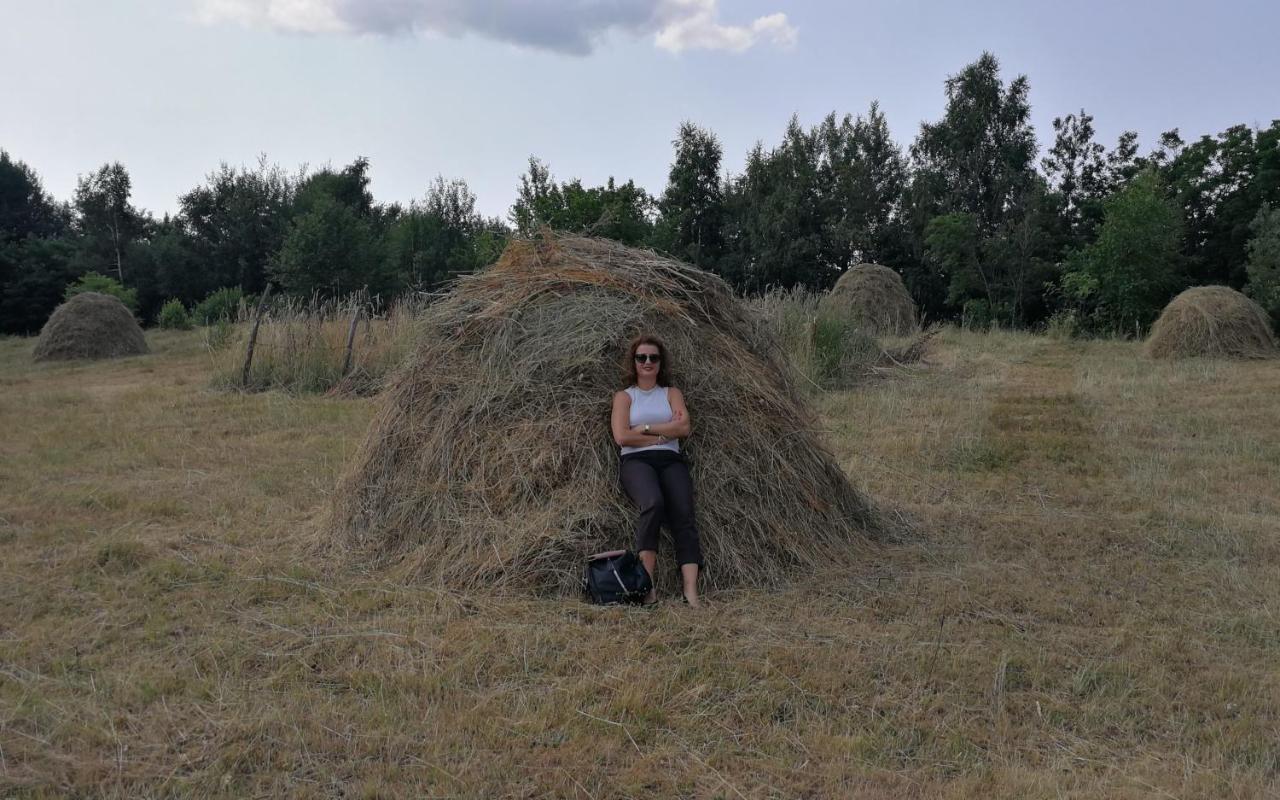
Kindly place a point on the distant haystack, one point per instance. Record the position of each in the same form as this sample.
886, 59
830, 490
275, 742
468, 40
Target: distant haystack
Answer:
1212, 321
874, 300
491, 462
90, 325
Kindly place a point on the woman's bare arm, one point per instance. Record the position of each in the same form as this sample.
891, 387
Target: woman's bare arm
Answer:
680, 426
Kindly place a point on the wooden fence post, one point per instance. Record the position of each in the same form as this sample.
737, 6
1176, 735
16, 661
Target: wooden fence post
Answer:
351, 338
253, 336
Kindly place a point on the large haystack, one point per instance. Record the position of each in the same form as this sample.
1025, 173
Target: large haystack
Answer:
491, 461
90, 325
874, 299
1212, 321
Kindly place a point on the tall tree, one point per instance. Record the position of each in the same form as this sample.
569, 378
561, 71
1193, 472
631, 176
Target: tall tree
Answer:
236, 223
106, 221
691, 226
979, 155
974, 167
1076, 168
862, 173
1220, 183
777, 236
34, 259
442, 236
1123, 279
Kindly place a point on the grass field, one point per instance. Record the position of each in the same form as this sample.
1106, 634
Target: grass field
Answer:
1093, 611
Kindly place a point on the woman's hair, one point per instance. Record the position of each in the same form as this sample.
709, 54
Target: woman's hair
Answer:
629, 363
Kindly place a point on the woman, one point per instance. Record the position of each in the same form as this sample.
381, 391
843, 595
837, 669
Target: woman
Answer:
649, 420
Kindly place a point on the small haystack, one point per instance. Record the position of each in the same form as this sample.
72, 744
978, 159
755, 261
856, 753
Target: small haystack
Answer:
90, 325
491, 461
874, 299
1212, 321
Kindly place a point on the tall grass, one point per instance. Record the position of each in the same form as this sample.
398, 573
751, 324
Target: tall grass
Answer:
302, 346
827, 352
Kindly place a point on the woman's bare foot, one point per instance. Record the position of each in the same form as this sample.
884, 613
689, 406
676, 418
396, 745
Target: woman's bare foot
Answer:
693, 601
650, 598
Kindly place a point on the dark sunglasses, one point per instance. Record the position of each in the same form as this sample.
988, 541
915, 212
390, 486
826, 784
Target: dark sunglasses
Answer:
652, 358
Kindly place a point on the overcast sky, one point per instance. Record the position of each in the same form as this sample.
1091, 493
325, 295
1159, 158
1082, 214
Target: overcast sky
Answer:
472, 88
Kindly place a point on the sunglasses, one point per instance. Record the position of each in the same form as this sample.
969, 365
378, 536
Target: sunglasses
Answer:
652, 358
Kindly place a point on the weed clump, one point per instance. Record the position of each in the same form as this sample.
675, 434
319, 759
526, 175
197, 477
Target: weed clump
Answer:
491, 461
1212, 321
90, 326
874, 300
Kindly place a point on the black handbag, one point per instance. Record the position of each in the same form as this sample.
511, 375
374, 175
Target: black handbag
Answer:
616, 577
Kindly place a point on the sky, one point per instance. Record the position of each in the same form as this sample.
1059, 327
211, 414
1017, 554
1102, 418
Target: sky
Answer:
595, 88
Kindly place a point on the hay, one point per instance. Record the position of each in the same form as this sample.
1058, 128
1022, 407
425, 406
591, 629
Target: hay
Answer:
491, 463
873, 299
1212, 321
90, 325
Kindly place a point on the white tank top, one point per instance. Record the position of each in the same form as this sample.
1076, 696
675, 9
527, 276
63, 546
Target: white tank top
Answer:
650, 408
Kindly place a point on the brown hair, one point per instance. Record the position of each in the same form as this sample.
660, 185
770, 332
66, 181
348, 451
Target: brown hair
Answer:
629, 364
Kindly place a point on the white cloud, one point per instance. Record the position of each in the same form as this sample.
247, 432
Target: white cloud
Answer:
694, 25
565, 26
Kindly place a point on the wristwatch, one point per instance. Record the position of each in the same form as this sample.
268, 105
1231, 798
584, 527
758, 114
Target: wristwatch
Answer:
646, 427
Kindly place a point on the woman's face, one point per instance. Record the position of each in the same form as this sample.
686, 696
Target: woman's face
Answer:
647, 358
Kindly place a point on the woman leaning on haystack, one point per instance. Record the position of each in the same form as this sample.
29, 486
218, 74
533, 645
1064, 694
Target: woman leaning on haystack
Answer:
649, 420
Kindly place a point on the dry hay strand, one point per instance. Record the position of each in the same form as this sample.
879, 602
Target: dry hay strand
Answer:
490, 463
913, 352
874, 299
90, 325
1212, 321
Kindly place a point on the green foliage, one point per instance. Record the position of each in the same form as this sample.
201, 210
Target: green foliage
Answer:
777, 233
862, 175
34, 274
1264, 261
173, 316
221, 305
106, 222
978, 158
442, 237
34, 262
620, 212
1220, 183
1123, 279
330, 250
984, 216
692, 222
230, 230
94, 282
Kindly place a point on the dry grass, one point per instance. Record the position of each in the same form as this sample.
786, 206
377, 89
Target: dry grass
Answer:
874, 300
88, 326
302, 347
831, 351
1094, 614
489, 462
1215, 322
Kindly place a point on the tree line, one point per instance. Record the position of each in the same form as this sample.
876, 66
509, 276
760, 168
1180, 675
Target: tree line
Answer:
981, 227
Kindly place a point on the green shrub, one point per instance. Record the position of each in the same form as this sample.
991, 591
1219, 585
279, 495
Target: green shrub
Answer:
841, 353
173, 316
219, 333
221, 304
1063, 325
97, 282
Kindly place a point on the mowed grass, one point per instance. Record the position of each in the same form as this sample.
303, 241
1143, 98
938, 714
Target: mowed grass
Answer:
1093, 609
